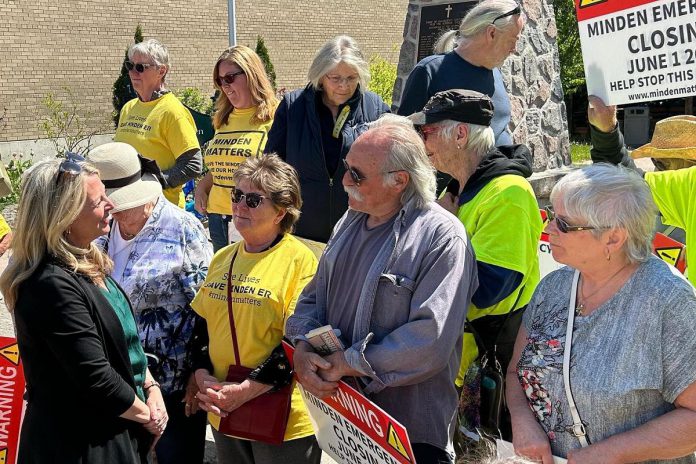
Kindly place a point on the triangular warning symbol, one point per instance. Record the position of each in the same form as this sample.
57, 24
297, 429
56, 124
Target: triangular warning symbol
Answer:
584, 3
669, 255
11, 353
395, 442
3, 455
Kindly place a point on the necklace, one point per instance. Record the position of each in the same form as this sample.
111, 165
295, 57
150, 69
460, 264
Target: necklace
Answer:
580, 308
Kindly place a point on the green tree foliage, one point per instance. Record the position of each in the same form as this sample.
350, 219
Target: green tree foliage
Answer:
569, 52
195, 99
383, 76
122, 90
262, 51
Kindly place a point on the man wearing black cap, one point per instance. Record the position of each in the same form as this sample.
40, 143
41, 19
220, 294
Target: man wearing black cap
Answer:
498, 208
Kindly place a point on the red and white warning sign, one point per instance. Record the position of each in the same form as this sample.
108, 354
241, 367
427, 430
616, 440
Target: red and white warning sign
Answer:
11, 399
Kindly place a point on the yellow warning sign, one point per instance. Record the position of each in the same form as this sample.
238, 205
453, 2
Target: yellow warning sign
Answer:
585, 3
669, 255
395, 442
11, 353
3, 455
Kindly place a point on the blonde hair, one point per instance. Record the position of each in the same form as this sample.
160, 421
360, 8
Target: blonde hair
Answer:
277, 178
47, 208
257, 81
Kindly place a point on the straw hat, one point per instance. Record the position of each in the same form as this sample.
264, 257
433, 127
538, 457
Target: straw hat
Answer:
129, 179
674, 137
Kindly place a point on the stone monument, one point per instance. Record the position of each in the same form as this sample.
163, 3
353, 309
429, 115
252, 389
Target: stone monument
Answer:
532, 75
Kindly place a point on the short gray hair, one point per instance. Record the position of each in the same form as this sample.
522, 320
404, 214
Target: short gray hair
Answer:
153, 49
611, 197
406, 152
344, 49
479, 141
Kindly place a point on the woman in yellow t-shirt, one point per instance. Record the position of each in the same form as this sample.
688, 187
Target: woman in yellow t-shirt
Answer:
259, 279
244, 114
156, 123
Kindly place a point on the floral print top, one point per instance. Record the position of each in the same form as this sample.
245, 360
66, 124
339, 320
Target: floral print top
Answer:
167, 263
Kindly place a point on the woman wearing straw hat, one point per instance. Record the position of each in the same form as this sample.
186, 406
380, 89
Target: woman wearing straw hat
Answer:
672, 148
161, 256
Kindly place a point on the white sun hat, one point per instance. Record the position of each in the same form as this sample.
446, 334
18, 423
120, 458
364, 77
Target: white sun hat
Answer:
130, 179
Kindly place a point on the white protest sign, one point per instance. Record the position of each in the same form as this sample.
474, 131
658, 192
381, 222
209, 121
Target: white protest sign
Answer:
638, 50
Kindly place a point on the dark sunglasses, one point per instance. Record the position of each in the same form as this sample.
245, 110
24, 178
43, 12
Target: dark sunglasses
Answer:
71, 165
356, 176
561, 224
424, 132
517, 10
139, 67
253, 200
227, 78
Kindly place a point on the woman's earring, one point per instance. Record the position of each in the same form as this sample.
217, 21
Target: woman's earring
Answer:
608, 255
459, 147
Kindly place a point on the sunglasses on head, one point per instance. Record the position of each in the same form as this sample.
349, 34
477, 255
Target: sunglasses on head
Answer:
227, 79
517, 10
138, 67
561, 224
253, 200
71, 165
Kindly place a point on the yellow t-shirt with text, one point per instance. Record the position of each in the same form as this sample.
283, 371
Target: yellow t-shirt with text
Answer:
265, 288
161, 130
233, 143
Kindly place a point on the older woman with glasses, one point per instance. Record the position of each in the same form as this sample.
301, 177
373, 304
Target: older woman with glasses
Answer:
86, 373
161, 255
156, 124
604, 367
251, 289
243, 116
469, 59
314, 128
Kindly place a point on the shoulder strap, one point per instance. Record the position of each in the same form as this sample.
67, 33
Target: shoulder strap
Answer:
233, 329
578, 428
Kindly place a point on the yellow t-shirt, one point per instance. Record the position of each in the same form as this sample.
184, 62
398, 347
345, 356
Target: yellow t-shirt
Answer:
233, 143
4, 227
265, 289
161, 130
673, 192
504, 226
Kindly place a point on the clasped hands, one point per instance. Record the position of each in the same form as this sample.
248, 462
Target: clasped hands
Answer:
320, 375
221, 398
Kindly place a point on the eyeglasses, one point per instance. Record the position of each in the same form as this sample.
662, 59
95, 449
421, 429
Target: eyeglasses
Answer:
561, 224
253, 200
338, 80
138, 67
70, 165
227, 78
424, 132
517, 10
356, 176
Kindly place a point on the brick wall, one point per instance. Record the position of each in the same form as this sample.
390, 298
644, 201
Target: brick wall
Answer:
46, 45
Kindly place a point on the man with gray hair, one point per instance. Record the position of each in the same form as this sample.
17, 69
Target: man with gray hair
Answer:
395, 280
499, 210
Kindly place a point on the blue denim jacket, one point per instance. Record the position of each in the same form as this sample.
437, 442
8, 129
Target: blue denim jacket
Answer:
407, 336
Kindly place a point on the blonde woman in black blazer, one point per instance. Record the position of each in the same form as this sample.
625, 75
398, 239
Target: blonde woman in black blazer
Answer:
85, 403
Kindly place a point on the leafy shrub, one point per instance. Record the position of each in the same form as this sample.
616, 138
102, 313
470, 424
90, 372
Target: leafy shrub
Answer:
383, 77
122, 90
262, 51
15, 169
195, 99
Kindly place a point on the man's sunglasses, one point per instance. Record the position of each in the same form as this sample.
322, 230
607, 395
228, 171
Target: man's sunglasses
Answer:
517, 10
356, 176
227, 78
71, 165
253, 200
424, 132
139, 67
561, 224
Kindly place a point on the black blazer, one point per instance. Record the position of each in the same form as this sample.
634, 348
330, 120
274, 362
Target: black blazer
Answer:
79, 377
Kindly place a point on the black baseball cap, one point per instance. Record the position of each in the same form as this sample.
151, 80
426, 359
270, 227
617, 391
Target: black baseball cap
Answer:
457, 105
